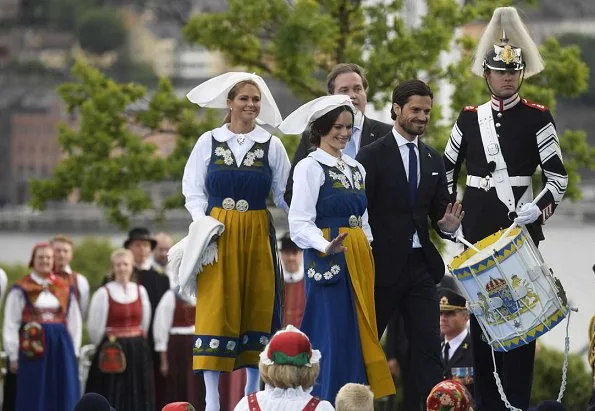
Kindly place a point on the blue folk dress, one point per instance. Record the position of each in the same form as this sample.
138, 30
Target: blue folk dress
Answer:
237, 305
339, 316
49, 381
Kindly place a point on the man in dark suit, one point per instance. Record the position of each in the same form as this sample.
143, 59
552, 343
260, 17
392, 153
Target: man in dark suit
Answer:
348, 79
457, 355
406, 184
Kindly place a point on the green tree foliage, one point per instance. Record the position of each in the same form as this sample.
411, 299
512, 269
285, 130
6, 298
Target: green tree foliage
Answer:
587, 47
548, 375
107, 160
101, 30
91, 257
297, 42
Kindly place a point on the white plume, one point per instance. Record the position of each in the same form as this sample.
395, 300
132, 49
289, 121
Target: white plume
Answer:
507, 20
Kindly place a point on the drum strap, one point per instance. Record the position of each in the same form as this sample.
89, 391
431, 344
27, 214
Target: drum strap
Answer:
493, 153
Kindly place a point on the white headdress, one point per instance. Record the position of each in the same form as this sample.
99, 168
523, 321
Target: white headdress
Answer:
297, 121
506, 45
213, 94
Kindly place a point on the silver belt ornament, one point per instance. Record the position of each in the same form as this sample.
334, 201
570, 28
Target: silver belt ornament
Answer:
229, 203
355, 221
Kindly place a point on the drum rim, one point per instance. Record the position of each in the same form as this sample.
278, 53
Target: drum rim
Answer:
462, 272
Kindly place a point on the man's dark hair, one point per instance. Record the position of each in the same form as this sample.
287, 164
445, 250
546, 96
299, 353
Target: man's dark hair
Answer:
323, 125
406, 89
341, 69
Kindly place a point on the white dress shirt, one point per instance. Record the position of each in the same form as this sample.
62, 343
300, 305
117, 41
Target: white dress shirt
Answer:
13, 316
83, 286
455, 342
353, 146
404, 149
3, 284
99, 307
279, 399
164, 318
308, 177
195, 172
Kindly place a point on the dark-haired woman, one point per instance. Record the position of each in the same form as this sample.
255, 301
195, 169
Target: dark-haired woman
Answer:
328, 219
228, 177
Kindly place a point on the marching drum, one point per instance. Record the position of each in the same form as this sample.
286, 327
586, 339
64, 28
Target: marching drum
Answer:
510, 289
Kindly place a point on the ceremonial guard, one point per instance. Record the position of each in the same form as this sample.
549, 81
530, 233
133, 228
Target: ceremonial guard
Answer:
502, 142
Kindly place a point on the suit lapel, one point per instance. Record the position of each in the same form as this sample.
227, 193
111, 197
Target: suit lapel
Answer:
459, 353
367, 135
425, 168
394, 158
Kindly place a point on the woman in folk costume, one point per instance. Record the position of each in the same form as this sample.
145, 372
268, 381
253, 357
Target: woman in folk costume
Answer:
289, 367
173, 332
228, 177
118, 322
42, 335
329, 221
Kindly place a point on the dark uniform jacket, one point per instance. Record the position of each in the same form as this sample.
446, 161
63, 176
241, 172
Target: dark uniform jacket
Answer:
461, 358
528, 139
371, 130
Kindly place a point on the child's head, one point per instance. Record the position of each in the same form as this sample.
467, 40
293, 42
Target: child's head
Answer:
449, 395
354, 397
288, 360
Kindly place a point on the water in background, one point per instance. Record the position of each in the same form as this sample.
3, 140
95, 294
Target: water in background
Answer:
569, 250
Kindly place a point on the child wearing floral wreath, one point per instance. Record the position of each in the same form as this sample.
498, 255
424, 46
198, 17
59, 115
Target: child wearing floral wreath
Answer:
449, 395
289, 367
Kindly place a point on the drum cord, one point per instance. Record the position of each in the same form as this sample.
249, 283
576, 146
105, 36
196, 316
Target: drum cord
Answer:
564, 369
566, 351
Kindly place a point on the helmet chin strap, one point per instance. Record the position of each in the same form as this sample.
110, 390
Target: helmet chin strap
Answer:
516, 91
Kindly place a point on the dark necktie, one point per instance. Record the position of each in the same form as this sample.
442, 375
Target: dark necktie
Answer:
446, 353
412, 174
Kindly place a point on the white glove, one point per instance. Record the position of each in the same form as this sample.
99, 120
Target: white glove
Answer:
527, 214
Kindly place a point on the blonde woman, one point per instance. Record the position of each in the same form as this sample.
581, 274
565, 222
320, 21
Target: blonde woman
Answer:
229, 176
118, 322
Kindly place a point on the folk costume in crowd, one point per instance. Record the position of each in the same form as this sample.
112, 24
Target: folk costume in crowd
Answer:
289, 367
294, 298
80, 286
173, 330
406, 188
228, 177
501, 155
449, 395
118, 323
156, 283
42, 334
339, 316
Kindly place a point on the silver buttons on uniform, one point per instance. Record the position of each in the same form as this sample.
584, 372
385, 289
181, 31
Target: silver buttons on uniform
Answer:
499, 115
